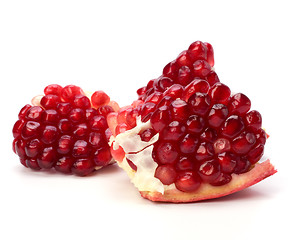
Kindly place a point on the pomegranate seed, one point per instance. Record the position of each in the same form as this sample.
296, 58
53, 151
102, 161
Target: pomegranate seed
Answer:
164, 83
30, 130
32, 148
184, 76
253, 119
179, 110
184, 164
166, 174
20, 148
69, 92
209, 171
83, 167
98, 123
131, 117
34, 113
210, 54
217, 115
49, 101
160, 118
48, 158
223, 179
50, 116
154, 97
239, 104
204, 152
99, 98
102, 156
261, 136
64, 164
184, 59
199, 103
49, 134
104, 110
170, 70
228, 161
197, 85
209, 135
17, 128
198, 50
189, 144
165, 101
147, 134
175, 91
243, 166
173, 132
64, 108
212, 78
201, 68
77, 115
23, 112
32, 163
195, 124
166, 153
256, 153
54, 89
232, 126
65, 126
81, 101
243, 143
221, 145
147, 111
220, 93
81, 130
141, 91
187, 181
65, 144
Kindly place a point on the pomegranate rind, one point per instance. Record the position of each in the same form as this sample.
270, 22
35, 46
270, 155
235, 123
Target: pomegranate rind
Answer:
206, 191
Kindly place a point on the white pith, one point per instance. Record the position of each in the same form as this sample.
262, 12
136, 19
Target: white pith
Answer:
140, 153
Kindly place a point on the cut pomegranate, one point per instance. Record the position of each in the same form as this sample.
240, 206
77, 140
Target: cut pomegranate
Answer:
64, 132
191, 138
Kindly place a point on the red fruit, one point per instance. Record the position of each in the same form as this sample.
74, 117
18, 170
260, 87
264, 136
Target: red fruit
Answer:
201, 141
64, 133
99, 98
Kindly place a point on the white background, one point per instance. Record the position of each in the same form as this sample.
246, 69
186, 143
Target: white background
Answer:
118, 46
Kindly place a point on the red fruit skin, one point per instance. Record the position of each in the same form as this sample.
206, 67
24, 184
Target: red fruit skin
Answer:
238, 182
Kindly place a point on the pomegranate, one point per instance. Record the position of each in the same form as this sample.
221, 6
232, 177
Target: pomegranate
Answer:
65, 130
187, 137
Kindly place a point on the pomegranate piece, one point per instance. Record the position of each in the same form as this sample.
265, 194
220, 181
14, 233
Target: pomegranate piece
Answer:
64, 132
192, 139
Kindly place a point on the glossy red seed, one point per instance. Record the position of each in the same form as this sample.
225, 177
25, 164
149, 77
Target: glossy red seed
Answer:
65, 144
98, 123
170, 70
146, 111
131, 117
80, 149
199, 103
99, 98
220, 93
243, 165
175, 91
173, 131
165, 101
205, 151
210, 54
179, 110
32, 148
184, 59
64, 164
54, 89
20, 148
17, 128
96, 139
197, 50
147, 134
209, 171
166, 153
189, 144
197, 85
212, 78
253, 119
104, 110
154, 97
32, 163
34, 113
228, 161
217, 115
232, 126
83, 167
166, 174
48, 158
195, 124
208, 135
50, 116
49, 134
163, 83
81, 101
77, 115
30, 130
260, 136
24, 111
102, 156
65, 126
221, 145
160, 118
201, 68
239, 104
121, 128
69, 92
243, 143
256, 153
223, 179
184, 164
184, 76
64, 108
49, 101
187, 181
81, 130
